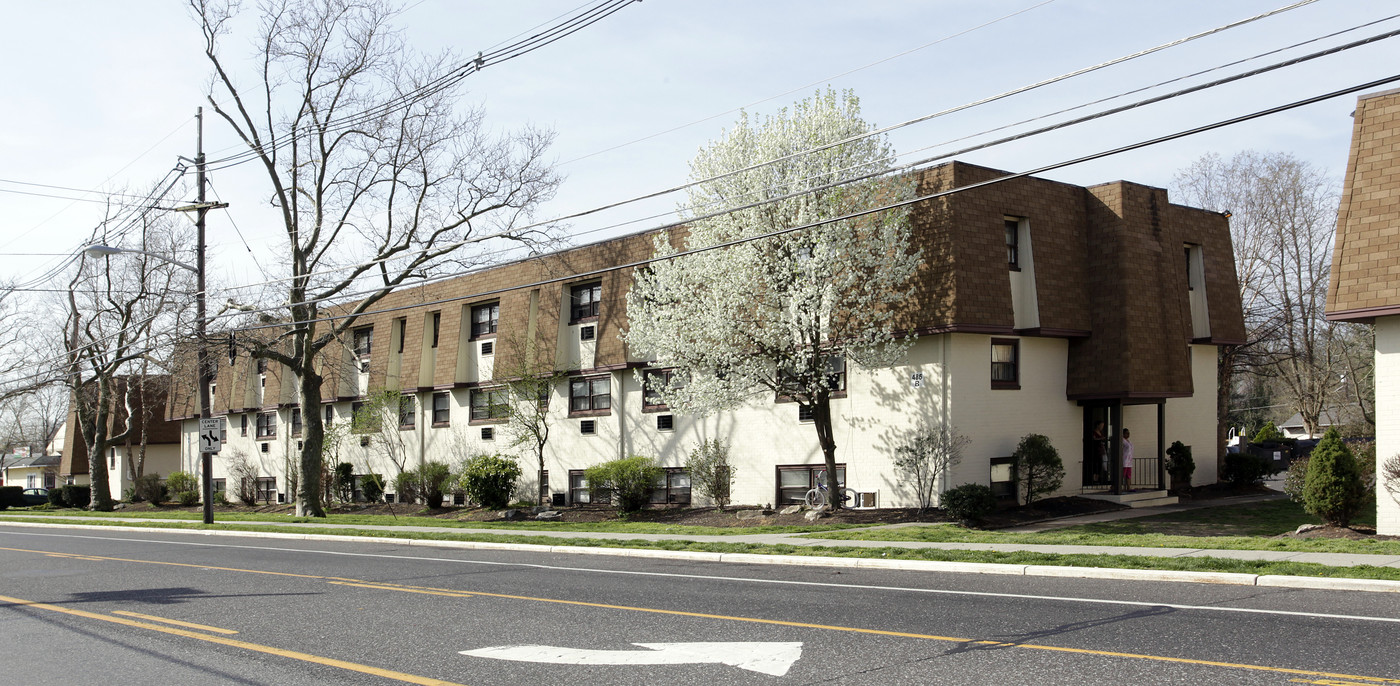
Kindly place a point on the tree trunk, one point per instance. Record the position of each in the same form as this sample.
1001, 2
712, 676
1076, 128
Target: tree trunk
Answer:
1225, 375
97, 449
821, 419
313, 438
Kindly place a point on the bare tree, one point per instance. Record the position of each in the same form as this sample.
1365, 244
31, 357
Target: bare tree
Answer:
1283, 215
376, 178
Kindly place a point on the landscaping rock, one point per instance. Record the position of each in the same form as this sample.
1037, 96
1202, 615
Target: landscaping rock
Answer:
816, 514
790, 509
512, 515
547, 515
1308, 527
749, 514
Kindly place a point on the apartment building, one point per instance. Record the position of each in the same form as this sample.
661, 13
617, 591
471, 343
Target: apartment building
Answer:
1041, 307
1365, 279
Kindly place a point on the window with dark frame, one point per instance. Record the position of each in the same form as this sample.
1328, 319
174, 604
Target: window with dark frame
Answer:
243, 425
402, 326
806, 413
330, 414
355, 408
1013, 244
795, 480
578, 488
590, 395
1006, 363
587, 333
437, 327
266, 488
488, 433
441, 408
583, 301
488, 348
296, 421
588, 427
266, 425
408, 411
652, 381
1189, 285
665, 422
262, 365
485, 319
364, 341
489, 404
671, 488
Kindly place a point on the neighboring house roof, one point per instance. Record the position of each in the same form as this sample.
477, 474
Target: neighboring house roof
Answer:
38, 461
1332, 416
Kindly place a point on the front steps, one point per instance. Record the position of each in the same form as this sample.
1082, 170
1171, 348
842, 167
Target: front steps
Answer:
1136, 498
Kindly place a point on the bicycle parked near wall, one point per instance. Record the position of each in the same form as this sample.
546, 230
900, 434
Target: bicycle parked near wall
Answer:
821, 495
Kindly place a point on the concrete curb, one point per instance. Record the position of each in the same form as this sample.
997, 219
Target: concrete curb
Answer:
1178, 576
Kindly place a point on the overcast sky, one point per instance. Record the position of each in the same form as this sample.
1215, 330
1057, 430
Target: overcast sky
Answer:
101, 95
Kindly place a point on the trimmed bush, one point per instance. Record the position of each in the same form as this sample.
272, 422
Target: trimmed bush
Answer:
11, 496
406, 486
434, 477
1243, 469
56, 496
488, 480
1180, 465
1267, 433
372, 487
1333, 489
184, 486
78, 497
629, 481
1295, 478
344, 482
150, 489
1037, 467
969, 503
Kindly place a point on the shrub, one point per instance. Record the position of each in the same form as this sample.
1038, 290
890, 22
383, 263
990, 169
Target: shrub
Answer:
1295, 478
56, 497
1037, 467
345, 482
11, 496
76, 496
406, 486
710, 473
489, 480
1333, 489
150, 489
1267, 433
925, 456
184, 486
1243, 469
629, 481
372, 487
969, 503
1180, 465
433, 478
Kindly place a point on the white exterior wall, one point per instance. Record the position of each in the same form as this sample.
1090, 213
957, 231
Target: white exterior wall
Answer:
1387, 417
1192, 420
880, 411
161, 459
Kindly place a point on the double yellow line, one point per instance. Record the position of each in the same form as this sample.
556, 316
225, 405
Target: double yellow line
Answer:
1316, 677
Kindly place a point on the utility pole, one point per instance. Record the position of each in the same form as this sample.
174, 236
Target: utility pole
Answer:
206, 459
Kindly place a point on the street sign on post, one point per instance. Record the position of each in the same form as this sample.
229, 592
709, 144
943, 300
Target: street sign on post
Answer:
209, 430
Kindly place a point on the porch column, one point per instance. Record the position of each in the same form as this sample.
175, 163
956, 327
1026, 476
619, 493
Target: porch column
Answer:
1162, 444
1115, 448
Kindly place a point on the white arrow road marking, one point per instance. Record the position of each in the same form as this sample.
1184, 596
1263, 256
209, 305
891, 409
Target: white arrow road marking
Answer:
768, 658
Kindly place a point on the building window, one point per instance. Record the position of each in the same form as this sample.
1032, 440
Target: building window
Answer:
484, 319
488, 433
590, 396
588, 427
1006, 363
587, 333
262, 365
267, 425
356, 418
408, 411
653, 380
806, 413
266, 488
330, 414
437, 327
402, 326
1187, 249
488, 348
672, 487
218, 485
364, 341
795, 480
835, 369
1013, 244
441, 408
583, 301
489, 404
578, 488
243, 425
665, 422
296, 421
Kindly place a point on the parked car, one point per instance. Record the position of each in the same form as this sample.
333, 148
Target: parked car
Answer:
34, 496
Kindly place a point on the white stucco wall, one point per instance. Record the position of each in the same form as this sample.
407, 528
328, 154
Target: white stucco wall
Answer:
1387, 417
1192, 420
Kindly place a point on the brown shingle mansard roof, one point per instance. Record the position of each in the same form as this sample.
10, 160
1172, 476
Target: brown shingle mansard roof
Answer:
1365, 279
1108, 267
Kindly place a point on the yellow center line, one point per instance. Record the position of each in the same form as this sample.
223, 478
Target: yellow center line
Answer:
255, 647
406, 589
779, 622
176, 622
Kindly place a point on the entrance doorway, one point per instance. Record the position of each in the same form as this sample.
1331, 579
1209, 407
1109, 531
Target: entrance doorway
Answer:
1100, 426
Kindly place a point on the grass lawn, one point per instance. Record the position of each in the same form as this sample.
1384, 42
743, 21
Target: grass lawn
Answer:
1239, 527
386, 520
1203, 564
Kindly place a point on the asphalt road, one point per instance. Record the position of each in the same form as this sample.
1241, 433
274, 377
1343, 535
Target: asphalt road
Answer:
155, 607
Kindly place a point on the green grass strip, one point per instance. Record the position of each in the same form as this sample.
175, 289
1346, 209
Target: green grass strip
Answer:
1195, 564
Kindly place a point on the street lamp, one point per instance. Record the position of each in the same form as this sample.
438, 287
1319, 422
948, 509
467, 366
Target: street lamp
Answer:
201, 351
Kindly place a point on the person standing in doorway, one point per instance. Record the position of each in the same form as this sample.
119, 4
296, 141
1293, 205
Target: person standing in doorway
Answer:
1100, 439
1127, 458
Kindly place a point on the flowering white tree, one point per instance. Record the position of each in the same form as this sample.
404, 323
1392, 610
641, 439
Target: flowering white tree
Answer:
782, 315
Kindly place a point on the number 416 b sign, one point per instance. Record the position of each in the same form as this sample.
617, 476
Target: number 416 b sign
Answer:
916, 379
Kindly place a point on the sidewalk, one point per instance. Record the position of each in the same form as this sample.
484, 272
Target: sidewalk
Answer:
814, 540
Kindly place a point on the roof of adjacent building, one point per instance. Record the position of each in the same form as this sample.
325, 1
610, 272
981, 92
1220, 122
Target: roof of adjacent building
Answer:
1365, 279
